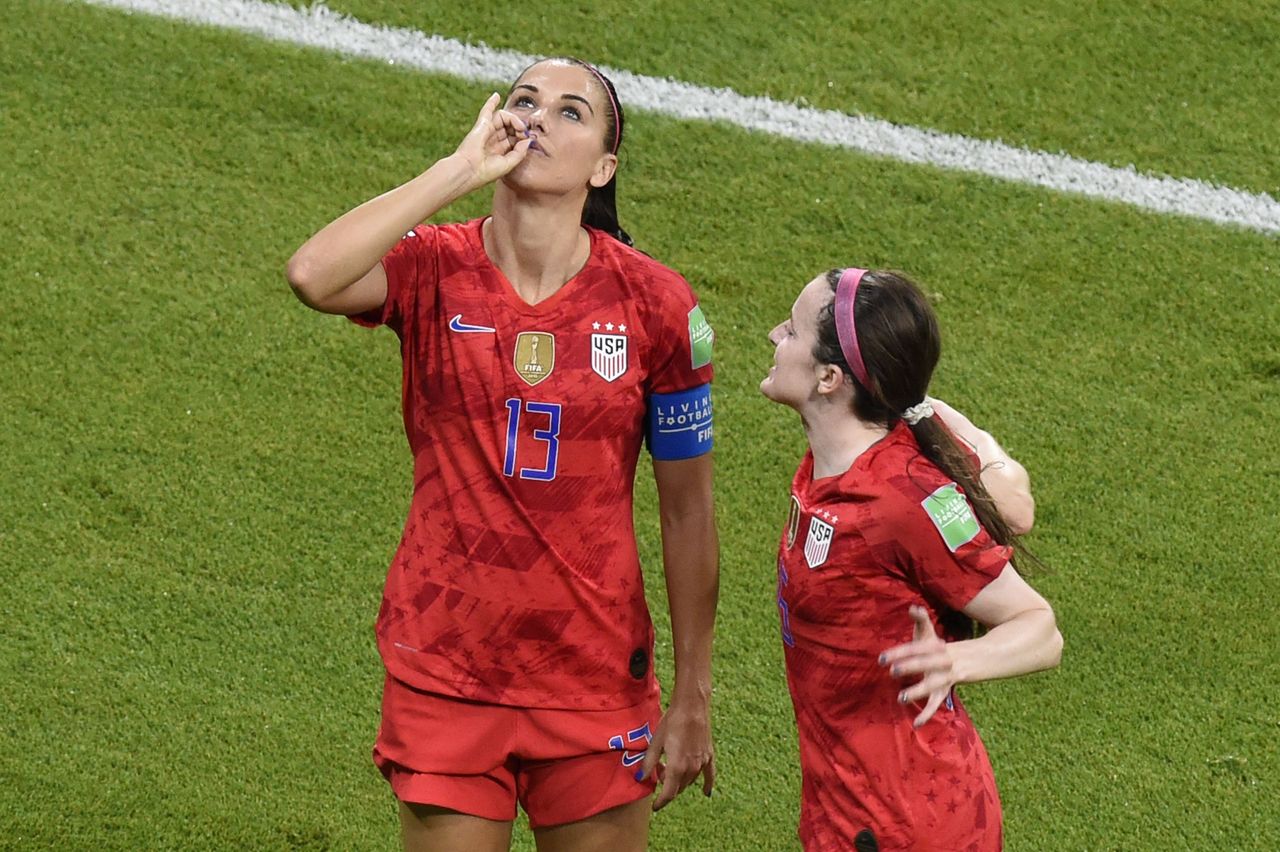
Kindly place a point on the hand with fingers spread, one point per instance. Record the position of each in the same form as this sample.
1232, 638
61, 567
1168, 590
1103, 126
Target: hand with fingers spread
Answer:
496, 143
683, 737
926, 655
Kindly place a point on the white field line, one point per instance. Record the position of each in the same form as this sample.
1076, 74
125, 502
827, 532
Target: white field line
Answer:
318, 26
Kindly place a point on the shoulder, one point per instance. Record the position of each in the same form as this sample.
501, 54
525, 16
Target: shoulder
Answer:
902, 479
460, 239
652, 280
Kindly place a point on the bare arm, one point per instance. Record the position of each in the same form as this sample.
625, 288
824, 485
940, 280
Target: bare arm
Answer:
690, 556
339, 270
1004, 478
1023, 638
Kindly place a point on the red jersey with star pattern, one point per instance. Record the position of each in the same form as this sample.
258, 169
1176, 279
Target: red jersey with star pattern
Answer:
517, 580
858, 550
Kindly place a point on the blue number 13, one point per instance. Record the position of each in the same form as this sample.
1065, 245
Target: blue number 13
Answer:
551, 435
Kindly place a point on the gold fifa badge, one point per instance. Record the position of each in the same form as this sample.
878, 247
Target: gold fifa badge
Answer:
535, 355
793, 521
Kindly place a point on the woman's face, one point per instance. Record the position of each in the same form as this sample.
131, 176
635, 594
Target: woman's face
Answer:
793, 378
566, 110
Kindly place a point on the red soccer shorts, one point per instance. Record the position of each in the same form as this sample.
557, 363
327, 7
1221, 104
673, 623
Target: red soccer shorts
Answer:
480, 759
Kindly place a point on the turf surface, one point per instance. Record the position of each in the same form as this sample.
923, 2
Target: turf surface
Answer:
201, 482
1184, 87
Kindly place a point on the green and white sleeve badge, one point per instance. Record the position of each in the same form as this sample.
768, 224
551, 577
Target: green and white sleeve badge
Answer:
953, 517
700, 337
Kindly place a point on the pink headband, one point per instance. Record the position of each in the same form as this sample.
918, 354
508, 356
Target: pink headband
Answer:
846, 332
617, 126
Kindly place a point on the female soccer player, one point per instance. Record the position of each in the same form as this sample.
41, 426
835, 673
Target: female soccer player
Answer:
892, 548
539, 351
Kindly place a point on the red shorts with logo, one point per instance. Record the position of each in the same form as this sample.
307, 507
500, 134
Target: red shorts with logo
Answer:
480, 759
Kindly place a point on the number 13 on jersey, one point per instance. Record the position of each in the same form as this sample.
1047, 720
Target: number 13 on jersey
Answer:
540, 414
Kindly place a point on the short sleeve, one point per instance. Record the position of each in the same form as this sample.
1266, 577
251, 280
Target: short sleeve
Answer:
682, 343
410, 268
940, 544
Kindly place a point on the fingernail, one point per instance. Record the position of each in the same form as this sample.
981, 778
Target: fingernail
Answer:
884, 658
895, 671
639, 774
902, 698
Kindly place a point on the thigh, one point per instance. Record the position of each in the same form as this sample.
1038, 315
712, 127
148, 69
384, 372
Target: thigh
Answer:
621, 829
428, 828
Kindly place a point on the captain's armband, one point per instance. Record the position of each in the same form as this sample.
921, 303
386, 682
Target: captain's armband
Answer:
678, 425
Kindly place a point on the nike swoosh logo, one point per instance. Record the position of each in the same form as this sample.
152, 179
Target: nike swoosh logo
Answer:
456, 324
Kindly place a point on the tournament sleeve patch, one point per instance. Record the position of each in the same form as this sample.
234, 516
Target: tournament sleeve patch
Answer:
679, 424
953, 517
700, 338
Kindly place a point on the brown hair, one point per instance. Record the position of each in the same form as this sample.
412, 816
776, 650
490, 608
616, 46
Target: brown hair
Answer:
900, 341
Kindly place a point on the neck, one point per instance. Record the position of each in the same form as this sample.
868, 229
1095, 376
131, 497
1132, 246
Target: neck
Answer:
538, 242
836, 436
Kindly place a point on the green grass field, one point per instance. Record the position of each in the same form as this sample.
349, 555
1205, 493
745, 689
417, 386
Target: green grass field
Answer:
201, 482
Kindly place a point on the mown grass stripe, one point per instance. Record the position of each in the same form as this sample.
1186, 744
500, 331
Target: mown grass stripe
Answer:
318, 26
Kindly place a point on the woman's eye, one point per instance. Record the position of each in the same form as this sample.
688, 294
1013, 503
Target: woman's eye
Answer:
523, 101
572, 112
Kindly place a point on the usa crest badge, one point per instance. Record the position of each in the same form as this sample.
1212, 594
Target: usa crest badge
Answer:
818, 542
535, 355
609, 355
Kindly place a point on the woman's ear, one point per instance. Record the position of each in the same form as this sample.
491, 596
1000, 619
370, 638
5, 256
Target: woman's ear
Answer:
604, 170
830, 378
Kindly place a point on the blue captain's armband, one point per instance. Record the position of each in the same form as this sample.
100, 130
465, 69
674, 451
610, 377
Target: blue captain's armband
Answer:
679, 424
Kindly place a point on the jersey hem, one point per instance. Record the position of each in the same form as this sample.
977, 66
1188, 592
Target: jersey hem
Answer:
523, 698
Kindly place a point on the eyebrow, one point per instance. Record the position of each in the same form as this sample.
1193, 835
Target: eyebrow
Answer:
534, 89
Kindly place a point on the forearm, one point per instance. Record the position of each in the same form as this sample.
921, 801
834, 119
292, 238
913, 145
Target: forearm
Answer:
690, 551
1028, 642
348, 247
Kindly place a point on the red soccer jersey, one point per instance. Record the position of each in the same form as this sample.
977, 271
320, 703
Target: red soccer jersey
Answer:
858, 550
517, 579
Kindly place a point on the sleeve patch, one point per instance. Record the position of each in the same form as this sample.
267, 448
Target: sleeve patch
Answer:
700, 338
952, 515
679, 424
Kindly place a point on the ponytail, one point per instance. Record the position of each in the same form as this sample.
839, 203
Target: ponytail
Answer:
601, 211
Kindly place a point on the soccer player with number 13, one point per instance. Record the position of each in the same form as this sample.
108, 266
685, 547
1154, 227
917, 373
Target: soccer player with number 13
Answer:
539, 351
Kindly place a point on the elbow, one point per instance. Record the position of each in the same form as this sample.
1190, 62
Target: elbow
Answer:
301, 275
1053, 649
1020, 514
